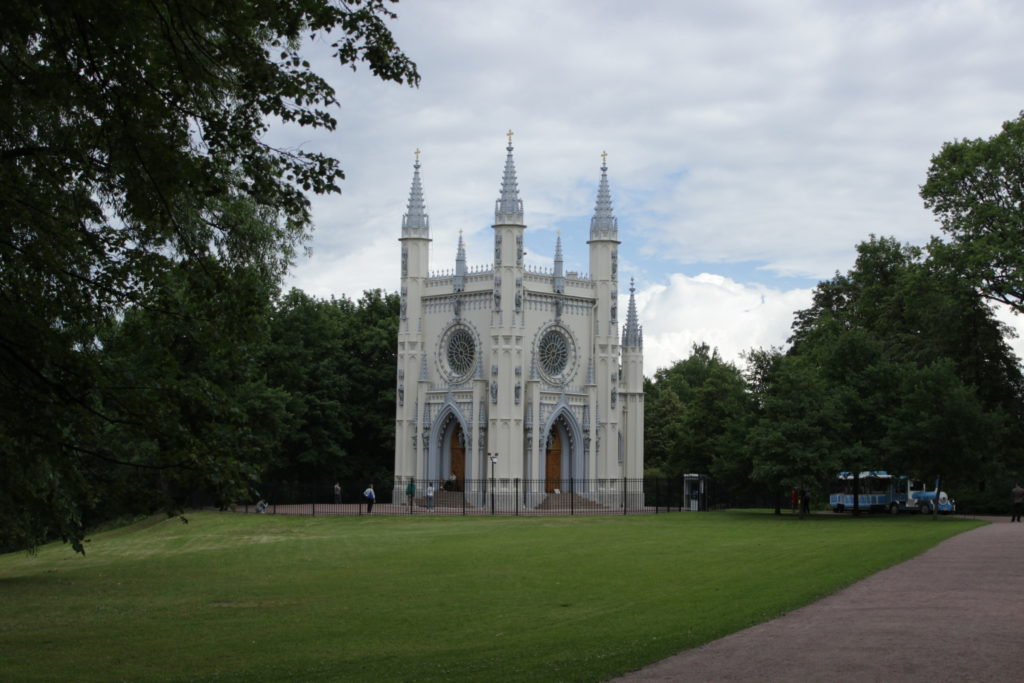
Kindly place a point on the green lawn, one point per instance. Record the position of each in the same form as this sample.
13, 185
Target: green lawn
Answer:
261, 598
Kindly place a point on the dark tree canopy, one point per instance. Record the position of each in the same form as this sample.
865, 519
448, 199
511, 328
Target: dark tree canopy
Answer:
917, 371
696, 414
335, 360
133, 164
976, 189
793, 442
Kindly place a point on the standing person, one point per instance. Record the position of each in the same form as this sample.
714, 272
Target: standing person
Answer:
410, 491
805, 503
370, 497
430, 496
337, 493
1018, 502
794, 500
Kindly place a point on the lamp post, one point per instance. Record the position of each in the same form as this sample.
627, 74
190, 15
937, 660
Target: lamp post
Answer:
494, 461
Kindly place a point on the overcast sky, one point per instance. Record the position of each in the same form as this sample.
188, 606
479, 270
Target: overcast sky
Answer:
751, 145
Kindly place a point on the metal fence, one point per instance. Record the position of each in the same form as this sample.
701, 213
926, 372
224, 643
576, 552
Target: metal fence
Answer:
491, 496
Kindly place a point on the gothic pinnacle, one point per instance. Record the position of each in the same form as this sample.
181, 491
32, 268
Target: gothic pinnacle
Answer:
632, 336
604, 225
415, 222
508, 209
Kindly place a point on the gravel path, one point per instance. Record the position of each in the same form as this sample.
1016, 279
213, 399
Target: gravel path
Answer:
954, 613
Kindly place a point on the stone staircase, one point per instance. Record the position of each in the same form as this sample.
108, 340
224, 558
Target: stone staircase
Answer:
444, 499
568, 501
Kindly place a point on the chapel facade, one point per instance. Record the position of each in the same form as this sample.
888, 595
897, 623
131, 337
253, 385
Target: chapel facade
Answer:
513, 374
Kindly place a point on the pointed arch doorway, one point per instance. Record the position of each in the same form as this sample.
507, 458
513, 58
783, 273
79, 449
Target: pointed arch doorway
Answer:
553, 462
457, 459
562, 459
449, 449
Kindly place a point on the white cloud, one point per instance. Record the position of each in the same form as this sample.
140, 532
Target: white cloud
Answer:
768, 138
725, 314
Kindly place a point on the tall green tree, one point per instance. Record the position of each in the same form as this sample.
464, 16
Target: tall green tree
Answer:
940, 427
699, 409
372, 343
305, 359
335, 360
976, 190
793, 442
132, 147
892, 336
184, 403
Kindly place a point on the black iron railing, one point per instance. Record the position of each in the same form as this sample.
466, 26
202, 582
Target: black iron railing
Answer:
489, 496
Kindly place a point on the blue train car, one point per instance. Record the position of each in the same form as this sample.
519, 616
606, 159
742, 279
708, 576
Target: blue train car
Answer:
884, 492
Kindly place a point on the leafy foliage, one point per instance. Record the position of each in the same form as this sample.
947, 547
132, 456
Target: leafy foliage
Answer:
697, 412
138, 185
976, 189
898, 364
916, 363
792, 444
336, 361
185, 403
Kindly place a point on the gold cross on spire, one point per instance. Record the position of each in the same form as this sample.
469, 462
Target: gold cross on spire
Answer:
604, 158
417, 154
510, 134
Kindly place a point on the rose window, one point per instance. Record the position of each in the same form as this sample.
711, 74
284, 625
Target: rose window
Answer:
461, 352
553, 352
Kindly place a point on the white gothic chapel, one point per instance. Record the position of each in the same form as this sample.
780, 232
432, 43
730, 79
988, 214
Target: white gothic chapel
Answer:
516, 372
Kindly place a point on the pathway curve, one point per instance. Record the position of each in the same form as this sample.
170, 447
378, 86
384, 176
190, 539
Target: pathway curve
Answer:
953, 613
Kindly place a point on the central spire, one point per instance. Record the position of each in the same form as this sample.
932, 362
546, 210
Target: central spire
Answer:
604, 225
415, 222
508, 210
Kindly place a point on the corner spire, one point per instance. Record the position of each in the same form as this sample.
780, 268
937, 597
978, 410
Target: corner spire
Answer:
604, 225
415, 222
559, 279
508, 210
632, 333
